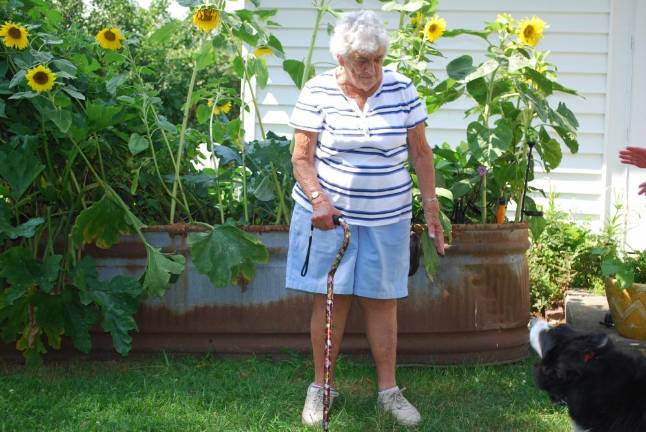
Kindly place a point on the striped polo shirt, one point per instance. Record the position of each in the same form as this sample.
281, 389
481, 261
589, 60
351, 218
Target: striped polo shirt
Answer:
360, 155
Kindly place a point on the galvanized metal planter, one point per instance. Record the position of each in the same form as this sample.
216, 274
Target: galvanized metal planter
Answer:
476, 309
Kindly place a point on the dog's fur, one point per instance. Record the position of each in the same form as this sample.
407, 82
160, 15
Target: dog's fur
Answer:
603, 387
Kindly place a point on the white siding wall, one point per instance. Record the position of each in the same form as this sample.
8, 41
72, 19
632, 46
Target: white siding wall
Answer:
581, 36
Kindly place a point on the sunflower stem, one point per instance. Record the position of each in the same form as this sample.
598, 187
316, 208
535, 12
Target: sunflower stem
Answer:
182, 136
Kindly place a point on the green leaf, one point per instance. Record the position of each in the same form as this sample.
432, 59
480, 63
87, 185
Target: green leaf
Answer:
115, 82
569, 138
203, 113
102, 116
246, 34
118, 299
517, 61
137, 144
72, 91
460, 67
443, 192
567, 115
166, 125
226, 253
163, 33
159, 270
276, 46
294, 69
23, 95
79, 319
264, 191
206, 57
261, 72
457, 32
49, 313
483, 70
445, 92
429, 256
17, 78
102, 223
19, 169
238, 66
61, 118
544, 84
25, 230
22, 271
2, 109
66, 66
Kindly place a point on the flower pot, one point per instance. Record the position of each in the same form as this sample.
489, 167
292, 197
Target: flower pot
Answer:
474, 311
628, 308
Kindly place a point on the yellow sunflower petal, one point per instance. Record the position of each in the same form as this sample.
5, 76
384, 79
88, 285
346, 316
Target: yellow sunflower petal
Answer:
530, 31
262, 51
14, 35
40, 78
416, 20
110, 38
434, 28
206, 18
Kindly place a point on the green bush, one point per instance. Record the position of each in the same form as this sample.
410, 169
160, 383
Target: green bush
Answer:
561, 258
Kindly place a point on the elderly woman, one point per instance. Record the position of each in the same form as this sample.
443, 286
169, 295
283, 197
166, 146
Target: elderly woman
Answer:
355, 126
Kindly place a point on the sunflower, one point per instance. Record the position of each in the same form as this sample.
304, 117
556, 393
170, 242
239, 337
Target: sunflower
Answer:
262, 51
434, 28
110, 38
530, 31
206, 18
222, 109
40, 78
15, 35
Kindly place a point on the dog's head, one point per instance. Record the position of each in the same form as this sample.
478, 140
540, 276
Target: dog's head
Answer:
566, 356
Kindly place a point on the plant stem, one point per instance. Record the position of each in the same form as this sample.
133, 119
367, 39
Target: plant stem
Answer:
282, 208
182, 138
308, 60
216, 163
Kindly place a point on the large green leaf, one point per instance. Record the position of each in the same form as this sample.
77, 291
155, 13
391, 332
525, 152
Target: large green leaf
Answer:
137, 144
22, 271
295, 69
568, 137
79, 319
164, 32
430, 256
118, 299
226, 253
19, 168
7, 230
102, 223
61, 118
101, 116
460, 67
544, 84
159, 270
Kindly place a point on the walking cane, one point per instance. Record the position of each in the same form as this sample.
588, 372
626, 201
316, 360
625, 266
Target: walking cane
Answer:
327, 389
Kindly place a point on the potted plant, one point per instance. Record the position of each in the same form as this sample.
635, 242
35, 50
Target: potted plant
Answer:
625, 275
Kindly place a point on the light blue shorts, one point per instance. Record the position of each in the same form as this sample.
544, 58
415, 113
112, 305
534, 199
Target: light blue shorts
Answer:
375, 265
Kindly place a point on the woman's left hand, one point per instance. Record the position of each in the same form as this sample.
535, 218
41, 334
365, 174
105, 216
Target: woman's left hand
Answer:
435, 230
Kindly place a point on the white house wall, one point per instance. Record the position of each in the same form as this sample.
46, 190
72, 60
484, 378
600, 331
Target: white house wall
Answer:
580, 40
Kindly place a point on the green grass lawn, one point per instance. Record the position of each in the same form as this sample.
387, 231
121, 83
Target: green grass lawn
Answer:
213, 394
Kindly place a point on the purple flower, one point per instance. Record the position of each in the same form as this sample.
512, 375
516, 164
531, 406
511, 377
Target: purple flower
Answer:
482, 171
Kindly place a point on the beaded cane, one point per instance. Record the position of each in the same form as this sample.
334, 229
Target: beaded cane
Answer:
329, 304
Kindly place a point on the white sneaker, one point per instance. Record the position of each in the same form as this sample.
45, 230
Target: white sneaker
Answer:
313, 409
393, 402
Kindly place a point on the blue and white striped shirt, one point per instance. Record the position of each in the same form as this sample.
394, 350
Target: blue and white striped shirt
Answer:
360, 155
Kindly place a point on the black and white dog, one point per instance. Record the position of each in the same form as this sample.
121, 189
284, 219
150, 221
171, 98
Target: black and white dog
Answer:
603, 387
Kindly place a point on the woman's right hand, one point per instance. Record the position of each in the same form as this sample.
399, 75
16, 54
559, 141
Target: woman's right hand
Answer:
322, 212
634, 156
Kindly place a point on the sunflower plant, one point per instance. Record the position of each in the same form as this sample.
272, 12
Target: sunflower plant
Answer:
514, 109
88, 154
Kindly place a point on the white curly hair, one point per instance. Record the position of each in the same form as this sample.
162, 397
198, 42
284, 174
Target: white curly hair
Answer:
361, 31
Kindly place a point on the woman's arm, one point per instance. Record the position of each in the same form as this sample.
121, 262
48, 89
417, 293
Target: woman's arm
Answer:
305, 175
422, 157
